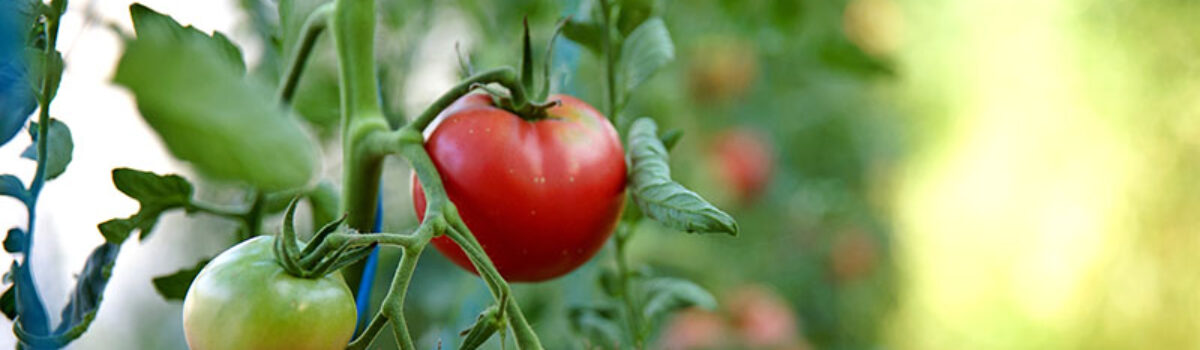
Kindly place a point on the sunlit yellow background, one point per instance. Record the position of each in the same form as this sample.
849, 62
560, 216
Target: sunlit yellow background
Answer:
1051, 199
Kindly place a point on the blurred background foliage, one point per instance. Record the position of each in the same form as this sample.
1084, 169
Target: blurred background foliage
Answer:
908, 174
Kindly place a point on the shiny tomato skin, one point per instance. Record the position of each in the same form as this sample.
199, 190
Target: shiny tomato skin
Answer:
541, 196
243, 299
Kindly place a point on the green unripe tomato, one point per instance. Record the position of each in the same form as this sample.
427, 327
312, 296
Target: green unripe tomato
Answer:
244, 299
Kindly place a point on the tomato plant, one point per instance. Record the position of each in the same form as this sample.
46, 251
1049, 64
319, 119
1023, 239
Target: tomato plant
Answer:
542, 196
244, 299
512, 182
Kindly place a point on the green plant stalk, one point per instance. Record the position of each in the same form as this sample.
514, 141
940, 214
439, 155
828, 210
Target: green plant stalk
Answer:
314, 25
631, 309
610, 62
353, 27
39, 177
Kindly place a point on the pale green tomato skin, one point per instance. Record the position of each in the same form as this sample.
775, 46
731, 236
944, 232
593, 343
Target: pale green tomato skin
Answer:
244, 300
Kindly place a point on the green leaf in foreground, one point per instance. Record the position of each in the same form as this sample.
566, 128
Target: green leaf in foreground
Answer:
155, 194
59, 147
89, 291
192, 90
646, 50
661, 198
175, 285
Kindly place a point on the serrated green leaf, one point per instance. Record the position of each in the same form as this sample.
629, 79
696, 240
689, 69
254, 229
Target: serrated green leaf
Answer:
193, 93
647, 49
59, 147
663, 295
13, 187
154, 193
587, 34
88, 293
661, 198
175, 285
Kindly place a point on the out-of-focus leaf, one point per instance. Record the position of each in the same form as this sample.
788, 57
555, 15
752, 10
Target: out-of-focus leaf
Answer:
175, 285
663, 199
193, 92
18, 98
598, 324
646, 50
89, 291
14, 241
662, 295
633, 13
13, 187
587, 34
154, 193
844, 55
8, 303
59, 147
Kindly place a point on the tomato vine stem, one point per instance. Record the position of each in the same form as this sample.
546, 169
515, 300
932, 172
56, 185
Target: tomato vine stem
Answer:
316, 23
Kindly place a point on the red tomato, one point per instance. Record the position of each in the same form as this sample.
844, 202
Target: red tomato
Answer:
540, 196
744, 162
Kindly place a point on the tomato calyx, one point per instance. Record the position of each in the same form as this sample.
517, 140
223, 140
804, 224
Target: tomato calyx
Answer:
312, 262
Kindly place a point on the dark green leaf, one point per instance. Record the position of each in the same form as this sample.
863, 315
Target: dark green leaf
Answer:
664, 294
597, 324
587, 34
194, 94
646, 50
88, 293
60, 146
661, 198
13, 187
8, 303
154, 193
175, 286
670, 138
14, 241
633, 13
610, 283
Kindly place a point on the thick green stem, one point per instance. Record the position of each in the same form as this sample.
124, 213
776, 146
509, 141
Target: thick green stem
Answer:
316, 23
354, 37
353, 26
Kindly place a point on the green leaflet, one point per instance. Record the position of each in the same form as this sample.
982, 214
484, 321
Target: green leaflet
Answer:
192, 90
175, 285
661, 198
663, 295
59, 147
155, 194
647, 49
